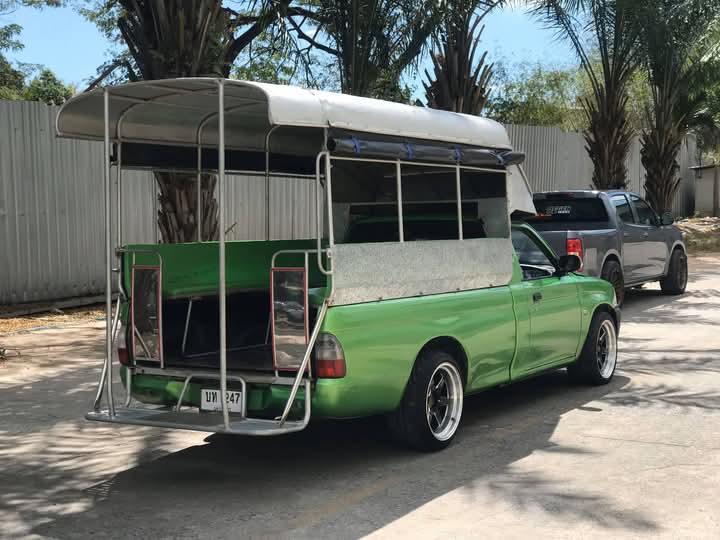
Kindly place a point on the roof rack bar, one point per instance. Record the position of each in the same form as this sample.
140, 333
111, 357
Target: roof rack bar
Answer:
419, 163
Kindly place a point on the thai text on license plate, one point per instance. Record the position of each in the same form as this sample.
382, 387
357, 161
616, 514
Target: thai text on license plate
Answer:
210, 400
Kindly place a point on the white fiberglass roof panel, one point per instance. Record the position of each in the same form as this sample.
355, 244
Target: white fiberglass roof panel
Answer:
170, 112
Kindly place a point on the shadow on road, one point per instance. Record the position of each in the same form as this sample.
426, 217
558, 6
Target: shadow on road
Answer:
340, 479
345, 478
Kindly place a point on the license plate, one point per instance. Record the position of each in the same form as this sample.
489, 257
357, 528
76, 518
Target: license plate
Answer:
210, 400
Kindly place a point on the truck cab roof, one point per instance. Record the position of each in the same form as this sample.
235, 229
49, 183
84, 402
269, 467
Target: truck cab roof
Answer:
581, 193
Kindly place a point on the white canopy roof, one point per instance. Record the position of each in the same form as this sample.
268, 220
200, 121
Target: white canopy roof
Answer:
171, 111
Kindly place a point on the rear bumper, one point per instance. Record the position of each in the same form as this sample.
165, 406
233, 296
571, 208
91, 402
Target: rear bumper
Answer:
209, 422
266, 393
170, 402
265, 397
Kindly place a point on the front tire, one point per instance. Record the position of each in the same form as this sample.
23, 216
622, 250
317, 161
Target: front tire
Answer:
612, 273
431, 408
676, 280
598, 358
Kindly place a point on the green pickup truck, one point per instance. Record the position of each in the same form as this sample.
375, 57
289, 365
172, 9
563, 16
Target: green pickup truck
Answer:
413, 359
407, 289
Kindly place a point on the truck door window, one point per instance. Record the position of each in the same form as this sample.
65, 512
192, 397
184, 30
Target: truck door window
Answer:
622, 207
646, 215
533, 260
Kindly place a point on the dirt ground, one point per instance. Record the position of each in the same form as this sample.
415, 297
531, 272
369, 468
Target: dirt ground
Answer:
48, 319
638, 458
702, 235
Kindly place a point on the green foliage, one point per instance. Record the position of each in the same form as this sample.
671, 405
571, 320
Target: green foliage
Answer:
46, 87
12, 81
8, 35
610, 28
372, 42
179, 38
460, 82
272, 59
683, 79
531, 94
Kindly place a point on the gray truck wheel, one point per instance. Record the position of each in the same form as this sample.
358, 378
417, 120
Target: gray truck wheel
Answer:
430, 411
612, 272
677, 276
598, 358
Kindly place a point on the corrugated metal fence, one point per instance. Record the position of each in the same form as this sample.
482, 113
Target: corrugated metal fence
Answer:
557, 160
51, 200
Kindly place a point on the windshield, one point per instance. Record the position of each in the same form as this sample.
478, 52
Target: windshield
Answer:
560, 209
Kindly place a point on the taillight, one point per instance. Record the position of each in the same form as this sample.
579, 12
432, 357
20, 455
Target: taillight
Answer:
123, 356
574, 246
329, 358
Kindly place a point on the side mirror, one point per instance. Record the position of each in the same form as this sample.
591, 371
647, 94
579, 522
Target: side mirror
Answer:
569, 263
667, 219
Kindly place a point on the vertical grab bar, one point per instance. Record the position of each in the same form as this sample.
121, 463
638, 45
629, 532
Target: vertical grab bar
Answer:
304, 364
318, 213
221, 230
108, 255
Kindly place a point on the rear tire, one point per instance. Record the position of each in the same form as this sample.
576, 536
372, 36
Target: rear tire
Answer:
598, 358
676, 279
612, 273
431, 408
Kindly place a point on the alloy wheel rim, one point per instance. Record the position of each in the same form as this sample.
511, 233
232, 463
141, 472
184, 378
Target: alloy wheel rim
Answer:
443, 402
606, 349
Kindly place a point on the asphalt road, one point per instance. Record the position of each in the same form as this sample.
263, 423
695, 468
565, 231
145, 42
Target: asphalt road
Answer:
637, 458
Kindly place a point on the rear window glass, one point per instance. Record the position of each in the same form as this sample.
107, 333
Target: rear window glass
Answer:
387, 231
565, 209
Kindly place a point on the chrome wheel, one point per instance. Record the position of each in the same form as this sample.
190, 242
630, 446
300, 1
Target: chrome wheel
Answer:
444, 399
606, 349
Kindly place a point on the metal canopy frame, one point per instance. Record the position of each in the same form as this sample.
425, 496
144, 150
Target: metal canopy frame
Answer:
146, 417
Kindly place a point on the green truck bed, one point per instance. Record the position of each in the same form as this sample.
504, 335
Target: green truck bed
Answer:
191, 269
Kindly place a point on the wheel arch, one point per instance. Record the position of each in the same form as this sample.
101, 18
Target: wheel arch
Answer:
450, 345
678, 244
611, 255
611, 310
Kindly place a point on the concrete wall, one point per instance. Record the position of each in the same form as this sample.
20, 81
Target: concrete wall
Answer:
705, 190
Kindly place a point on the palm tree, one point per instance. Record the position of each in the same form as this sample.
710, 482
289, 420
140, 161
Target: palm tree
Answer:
611, 28
373, 41
186, 38
459, 83
682, 71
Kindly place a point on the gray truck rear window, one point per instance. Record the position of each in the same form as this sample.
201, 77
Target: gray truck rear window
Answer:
568, 209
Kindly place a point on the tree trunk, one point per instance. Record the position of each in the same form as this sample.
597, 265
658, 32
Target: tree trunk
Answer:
608, 139
177, 208
660, 147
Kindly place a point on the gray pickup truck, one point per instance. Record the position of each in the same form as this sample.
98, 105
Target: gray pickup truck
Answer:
617, 236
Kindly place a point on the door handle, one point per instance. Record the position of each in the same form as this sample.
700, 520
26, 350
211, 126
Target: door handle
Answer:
645, 235
537, 297
625, 235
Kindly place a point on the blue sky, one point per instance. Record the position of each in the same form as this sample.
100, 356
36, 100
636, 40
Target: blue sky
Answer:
65, 42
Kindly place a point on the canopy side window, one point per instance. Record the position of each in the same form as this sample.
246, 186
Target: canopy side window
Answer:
429, 196
486, 194
365, 202
391, 202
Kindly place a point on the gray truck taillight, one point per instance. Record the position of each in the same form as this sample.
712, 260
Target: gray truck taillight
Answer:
329, 357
